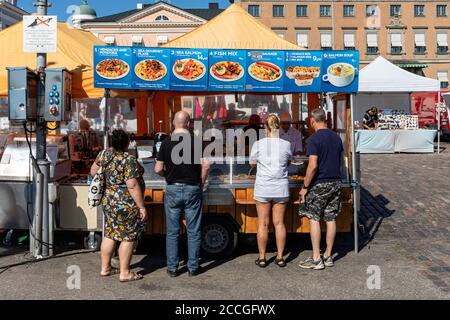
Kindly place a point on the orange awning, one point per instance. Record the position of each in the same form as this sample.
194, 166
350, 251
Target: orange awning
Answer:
75, 53
233, 29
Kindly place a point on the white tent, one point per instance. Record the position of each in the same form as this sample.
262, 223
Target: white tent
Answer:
383, 76
384, 85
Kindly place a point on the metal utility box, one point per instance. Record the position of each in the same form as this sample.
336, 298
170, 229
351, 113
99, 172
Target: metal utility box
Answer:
22, 94
58, 95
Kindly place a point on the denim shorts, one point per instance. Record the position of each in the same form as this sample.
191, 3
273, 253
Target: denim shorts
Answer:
275, 200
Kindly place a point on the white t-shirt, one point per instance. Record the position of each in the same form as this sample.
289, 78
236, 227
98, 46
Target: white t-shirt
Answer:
272, 156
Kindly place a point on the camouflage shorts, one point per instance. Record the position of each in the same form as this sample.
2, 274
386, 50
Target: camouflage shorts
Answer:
322, 202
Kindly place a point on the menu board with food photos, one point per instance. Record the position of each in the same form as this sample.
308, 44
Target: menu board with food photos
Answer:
265, 71
151, 68
302, 71
113, 67
227, 70
271, 71
188, 69
340, 71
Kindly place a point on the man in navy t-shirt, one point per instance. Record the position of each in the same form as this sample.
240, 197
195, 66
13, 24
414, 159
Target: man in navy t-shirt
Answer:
320, 195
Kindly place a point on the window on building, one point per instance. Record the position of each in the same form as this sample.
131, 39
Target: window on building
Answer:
396, 43
442, 42
162, 18
396, 10
278, 10
349, 10
326, 41
302, 39
302, 10
372, 43
110, 41
253, 9
349, 41
441, 10
419, 10
162, 40
137, 41
325, 10
443, 78
281, 34
420, 46
371, 10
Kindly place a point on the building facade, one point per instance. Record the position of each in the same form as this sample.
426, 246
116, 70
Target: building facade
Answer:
10, 13
412, 34
149, 25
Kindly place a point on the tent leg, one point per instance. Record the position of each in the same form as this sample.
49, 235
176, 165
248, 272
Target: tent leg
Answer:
355, 183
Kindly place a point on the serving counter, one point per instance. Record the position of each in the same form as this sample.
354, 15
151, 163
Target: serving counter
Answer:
228, 202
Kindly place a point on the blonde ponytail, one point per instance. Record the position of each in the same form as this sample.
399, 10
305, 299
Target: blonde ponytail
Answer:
273, 123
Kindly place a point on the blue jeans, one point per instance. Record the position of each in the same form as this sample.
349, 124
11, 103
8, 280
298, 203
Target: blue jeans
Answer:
180, 199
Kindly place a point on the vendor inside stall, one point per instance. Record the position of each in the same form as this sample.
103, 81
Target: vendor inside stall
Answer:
291, 134
370, 120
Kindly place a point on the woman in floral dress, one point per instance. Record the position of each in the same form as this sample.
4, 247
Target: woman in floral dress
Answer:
123, 204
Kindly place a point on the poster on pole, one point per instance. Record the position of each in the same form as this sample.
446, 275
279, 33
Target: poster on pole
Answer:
151, 68
40, 34
113, 67
303, 71
340, 71
265, 71
227, 70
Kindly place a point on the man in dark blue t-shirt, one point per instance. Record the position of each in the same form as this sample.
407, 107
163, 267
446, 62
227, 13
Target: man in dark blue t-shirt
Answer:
320, 195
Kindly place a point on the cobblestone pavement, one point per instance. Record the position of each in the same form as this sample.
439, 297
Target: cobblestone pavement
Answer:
411, 192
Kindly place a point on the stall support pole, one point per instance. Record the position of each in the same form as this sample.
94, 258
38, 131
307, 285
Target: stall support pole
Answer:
355, 183
106, 117
36, 249
439, 124
42, 205
105, 146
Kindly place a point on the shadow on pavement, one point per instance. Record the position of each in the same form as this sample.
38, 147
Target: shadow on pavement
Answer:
373, 210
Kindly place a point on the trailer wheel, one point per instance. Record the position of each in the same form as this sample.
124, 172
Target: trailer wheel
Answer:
219, 237
93, 244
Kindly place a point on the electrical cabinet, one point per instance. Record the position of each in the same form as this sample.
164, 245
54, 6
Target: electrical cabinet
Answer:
22, 94
58, 95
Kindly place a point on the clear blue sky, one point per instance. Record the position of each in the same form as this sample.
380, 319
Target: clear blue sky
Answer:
107, 7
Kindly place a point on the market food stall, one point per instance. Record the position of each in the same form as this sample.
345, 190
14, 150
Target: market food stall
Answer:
145, 86
222, 76
388, 87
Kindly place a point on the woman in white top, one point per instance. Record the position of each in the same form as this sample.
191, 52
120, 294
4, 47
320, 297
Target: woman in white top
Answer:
271, 156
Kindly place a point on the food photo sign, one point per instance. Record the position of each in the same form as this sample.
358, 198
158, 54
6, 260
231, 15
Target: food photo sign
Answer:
265, 71
303, 71
189, 69
151, 68
113, 67
227, 70
340, 71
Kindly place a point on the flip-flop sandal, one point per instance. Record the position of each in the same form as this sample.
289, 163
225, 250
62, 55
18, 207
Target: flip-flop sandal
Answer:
262, 263
134, 277
280, 262
113, 271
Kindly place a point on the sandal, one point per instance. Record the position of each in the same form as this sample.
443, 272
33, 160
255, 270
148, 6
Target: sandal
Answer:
111, 272
280, 262
262, 263
134, 277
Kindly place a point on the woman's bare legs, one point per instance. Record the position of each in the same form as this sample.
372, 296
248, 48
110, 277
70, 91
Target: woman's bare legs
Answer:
278, 211
263, 210
106, 251
125, 254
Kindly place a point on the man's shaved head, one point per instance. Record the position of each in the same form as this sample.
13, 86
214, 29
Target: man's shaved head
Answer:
181, 120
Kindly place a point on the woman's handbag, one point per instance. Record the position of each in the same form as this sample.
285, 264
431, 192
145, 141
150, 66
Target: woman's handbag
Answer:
98, 186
